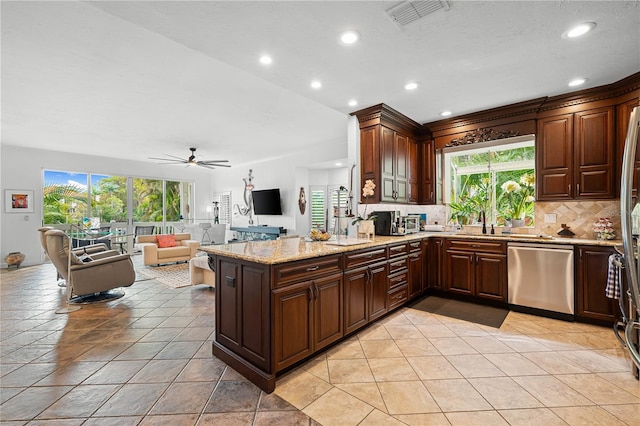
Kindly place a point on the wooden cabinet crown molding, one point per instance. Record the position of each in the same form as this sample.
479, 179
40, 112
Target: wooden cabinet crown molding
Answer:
595, 94
389, 117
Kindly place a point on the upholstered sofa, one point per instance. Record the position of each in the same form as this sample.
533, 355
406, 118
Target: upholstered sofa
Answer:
167, 248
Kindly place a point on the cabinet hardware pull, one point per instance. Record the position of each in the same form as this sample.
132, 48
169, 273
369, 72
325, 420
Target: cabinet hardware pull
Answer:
310, 293
578, 189
313, 268
569, 189
317, 292
475, 245
431, 198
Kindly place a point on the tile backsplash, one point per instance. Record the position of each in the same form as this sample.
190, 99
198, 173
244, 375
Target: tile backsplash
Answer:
578, 215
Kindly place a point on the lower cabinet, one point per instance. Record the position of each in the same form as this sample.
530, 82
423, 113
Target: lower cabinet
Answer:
476, 269
415, 267
592, 267
365, 295
307, 317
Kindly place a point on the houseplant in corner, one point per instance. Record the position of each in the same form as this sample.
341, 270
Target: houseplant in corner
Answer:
365, 224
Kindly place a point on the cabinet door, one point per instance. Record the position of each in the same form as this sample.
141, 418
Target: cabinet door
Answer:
415, 266
428, 164
370, 158
460, 268
592, 269
327, 308
413, 195
491, 276
554, 158
355, 299
292, 323
623, 115
436, 276
378, 286
387, 164
593, 148
402, 171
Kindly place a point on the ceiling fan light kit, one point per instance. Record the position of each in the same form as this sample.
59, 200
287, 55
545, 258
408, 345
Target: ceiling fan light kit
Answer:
191, 161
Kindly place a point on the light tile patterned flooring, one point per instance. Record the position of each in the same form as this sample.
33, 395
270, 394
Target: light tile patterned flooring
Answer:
146, 359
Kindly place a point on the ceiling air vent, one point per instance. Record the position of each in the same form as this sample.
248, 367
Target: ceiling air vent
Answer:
410, 11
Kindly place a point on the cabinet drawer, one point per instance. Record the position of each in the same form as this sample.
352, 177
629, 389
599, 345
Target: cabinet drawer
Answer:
306, 270
477, 246
397, 296
397, 280
415, 246
398, 250
365, 257
397, 265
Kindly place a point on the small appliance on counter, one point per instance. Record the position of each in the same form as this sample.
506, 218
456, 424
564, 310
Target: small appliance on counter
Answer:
433, 228
387, 222
411, 223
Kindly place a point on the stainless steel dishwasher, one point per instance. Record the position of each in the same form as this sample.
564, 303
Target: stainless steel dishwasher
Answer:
541, 276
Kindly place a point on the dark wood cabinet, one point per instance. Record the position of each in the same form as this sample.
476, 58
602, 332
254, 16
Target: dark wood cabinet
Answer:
243, 311
575, 155
389, 154
428, 172
365, 287
394, 166
594, 153
476, 269
307, 317
415, 270
554, 158
435, 276
592, 266
413, 177
623, 114
365, 295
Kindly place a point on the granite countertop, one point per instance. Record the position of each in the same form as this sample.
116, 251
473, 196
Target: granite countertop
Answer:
292, 249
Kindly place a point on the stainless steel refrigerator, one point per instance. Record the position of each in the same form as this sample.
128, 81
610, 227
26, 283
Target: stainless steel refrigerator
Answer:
629, 212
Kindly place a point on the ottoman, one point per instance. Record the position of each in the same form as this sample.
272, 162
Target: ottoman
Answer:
200, 272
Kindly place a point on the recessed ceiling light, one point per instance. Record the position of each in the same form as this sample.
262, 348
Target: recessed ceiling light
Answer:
353, 103
445, 113
577, 82
411, 86
579, 30
349, 37
338, 164
265, 59
316, 84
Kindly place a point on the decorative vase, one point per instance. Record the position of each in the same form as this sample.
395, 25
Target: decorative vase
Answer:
366, 229
517, 223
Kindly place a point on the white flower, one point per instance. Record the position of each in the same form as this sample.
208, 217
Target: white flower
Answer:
510, 186
530, 199
528, 179
367, 190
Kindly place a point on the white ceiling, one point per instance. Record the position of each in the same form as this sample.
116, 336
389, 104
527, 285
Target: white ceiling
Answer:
139, 78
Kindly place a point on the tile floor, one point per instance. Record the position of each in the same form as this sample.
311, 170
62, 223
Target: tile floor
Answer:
146, 359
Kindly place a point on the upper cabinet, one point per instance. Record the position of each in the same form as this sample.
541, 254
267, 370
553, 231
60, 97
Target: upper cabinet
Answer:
575, 155
390, 155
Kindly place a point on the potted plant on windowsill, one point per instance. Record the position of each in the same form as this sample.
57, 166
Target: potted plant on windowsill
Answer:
516, 200
365, 223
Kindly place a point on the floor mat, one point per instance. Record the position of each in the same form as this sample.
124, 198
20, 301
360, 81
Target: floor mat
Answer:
479, 314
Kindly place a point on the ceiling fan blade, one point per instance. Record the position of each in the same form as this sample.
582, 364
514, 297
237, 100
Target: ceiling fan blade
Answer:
206, 166
213, 161
177, 158
171, 162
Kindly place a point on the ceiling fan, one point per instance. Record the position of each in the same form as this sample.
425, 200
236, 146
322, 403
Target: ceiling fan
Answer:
191, 161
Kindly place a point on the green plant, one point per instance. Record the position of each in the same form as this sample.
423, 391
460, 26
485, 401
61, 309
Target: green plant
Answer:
516, 199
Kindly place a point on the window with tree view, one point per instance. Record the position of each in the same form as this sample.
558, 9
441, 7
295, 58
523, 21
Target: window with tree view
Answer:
496, 178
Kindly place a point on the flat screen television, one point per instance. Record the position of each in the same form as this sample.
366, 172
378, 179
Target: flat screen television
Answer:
266, 202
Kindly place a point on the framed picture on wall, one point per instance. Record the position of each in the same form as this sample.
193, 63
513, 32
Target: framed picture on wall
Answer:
18, 201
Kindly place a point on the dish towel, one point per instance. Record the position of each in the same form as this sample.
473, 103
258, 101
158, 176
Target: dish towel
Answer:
614, 279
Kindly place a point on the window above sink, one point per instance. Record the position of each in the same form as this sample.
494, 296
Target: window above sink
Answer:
495, 177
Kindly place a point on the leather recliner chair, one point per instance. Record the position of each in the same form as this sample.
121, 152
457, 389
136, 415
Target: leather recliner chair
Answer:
106, 271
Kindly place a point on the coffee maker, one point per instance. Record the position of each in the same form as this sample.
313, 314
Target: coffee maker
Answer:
387, 222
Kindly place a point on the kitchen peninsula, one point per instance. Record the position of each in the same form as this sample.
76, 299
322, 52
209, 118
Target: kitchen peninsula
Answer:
280, 302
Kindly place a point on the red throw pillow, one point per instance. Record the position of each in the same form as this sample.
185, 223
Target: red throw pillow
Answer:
166, 241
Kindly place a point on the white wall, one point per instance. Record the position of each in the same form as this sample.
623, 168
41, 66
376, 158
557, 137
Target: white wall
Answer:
22, 168
288, 173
